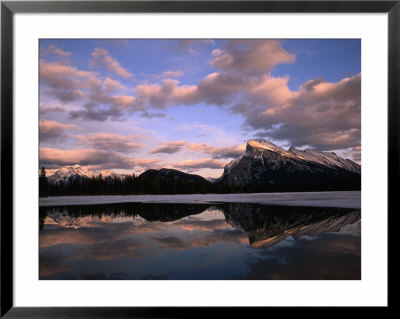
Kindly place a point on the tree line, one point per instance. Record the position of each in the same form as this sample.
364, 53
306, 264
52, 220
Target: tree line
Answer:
155, 185
128, 185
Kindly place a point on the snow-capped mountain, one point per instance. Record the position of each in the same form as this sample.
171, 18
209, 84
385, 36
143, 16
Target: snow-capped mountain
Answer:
266, 167
66, 174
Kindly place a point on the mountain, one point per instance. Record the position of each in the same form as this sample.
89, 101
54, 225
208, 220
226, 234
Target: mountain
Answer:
171, 181
264, 167
267, 167
212, 179
68, 174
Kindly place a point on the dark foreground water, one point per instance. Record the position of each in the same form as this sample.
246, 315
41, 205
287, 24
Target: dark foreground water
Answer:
199, 241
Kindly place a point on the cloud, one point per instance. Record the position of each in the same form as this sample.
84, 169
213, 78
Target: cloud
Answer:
110, 142
52, 131
52, 157
111, 85
68, 83
218, 152
153, 115
353, 153
102, 59
215, 88
62, 76
251, 56
201, 163
53, 50
172, 74
221, 88
169, 147
144, 163
97, 159
98, 114
270, 91
189, 45
65, 82
321, 114
168, 93
50, 109
324, 115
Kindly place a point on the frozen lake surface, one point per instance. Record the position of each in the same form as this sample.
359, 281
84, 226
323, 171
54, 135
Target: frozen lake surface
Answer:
349, 199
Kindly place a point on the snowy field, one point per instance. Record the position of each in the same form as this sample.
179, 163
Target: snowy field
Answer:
321, 199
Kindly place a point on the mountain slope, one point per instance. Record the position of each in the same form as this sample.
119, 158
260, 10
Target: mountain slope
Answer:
67, 174
267, 167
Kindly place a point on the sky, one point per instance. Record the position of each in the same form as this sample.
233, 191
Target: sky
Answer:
191, 105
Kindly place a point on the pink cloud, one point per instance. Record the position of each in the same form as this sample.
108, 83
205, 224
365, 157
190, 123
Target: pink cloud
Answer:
66, 82
53, 50
271, 91
321, 114
110, 142
52, 131
189, 45
121, 100
172, 74
251, 56
218, 152
168, 93
169, 147
201, 163
97, 159
111, 85
102, 59
67, 77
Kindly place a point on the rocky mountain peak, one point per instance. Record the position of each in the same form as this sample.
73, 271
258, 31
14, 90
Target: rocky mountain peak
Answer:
265, 167
261, 145
258, 148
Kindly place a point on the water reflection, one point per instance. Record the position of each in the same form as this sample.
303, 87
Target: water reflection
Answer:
182, 241
268, 225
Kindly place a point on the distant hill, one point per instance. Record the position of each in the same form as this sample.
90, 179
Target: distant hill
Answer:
171, 181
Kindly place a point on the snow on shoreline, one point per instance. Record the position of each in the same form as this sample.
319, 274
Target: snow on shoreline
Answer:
345, 199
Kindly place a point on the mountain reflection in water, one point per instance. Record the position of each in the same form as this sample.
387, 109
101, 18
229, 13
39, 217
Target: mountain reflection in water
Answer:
199, 241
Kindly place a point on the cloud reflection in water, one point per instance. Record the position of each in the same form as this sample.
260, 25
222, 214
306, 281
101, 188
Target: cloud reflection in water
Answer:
182, 241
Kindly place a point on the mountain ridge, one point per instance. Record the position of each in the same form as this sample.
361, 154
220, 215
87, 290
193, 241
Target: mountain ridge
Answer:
267, 167
263, 167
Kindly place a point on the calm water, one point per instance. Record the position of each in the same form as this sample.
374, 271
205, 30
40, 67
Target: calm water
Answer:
190, 241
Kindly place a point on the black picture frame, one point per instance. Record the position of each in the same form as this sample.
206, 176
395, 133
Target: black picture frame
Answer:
9, 8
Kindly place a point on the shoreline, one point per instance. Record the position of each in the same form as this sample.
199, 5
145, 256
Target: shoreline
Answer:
343, 199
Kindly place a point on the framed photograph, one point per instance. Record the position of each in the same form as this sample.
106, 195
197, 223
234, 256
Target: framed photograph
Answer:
165, 157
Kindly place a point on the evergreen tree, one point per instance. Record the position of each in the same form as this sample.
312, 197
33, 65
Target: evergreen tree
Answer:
43, 183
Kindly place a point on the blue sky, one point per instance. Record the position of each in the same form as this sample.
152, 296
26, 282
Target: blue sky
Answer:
130, 105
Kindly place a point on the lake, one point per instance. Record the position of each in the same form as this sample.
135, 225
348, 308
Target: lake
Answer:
199, 240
